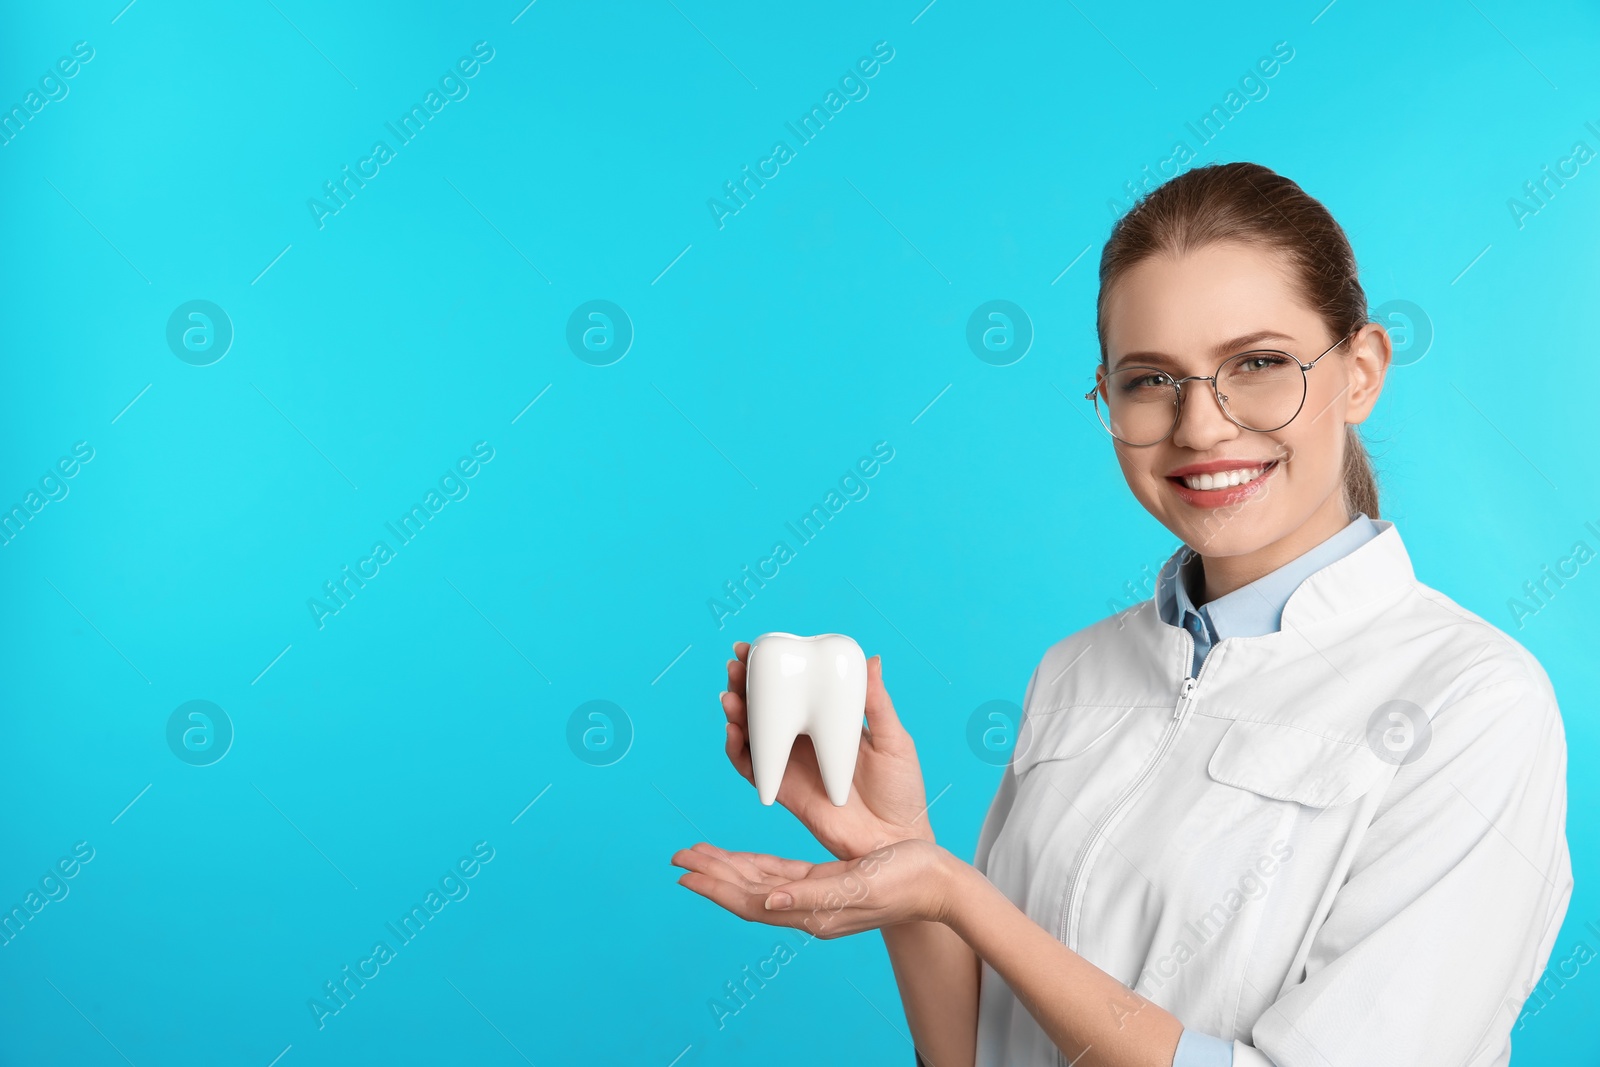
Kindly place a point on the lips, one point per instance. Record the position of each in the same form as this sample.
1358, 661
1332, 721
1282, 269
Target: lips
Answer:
1213, 498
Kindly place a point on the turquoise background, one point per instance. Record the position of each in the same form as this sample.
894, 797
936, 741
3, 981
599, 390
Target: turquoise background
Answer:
770, 354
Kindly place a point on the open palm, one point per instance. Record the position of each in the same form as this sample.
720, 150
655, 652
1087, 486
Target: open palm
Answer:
901, 882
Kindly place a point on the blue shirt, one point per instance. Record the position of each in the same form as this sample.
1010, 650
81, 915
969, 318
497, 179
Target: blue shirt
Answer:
1249, 611
1254, 609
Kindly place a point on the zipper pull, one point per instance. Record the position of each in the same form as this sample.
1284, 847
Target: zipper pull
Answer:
1185, 697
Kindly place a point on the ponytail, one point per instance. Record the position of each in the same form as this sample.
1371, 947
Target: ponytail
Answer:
1360, 486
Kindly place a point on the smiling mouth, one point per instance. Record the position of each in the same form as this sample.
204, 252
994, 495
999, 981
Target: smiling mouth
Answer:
1221, 480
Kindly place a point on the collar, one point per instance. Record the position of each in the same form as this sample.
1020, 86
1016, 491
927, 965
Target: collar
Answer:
1362, 562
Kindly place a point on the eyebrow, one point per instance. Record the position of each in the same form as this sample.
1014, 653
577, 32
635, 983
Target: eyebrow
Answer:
1232, 345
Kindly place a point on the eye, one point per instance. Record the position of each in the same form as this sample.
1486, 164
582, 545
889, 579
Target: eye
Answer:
1144, 379
1256, 362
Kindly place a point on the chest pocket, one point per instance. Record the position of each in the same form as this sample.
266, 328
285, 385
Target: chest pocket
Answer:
1287, 763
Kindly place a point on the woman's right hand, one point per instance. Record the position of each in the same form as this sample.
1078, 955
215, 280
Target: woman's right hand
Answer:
887, 800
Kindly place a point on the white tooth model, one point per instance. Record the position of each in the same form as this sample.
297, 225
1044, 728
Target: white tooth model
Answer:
805, 685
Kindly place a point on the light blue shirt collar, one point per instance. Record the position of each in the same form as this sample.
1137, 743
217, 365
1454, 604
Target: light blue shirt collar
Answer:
1256, 608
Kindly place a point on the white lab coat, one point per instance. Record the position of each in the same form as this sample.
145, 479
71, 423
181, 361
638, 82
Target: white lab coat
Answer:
1245, 858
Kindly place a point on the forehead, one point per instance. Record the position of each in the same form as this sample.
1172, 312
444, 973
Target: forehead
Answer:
1187, 307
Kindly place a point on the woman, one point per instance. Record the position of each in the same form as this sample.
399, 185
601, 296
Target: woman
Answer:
1297, 808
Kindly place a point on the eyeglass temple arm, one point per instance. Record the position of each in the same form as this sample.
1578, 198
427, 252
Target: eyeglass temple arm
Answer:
1330, 348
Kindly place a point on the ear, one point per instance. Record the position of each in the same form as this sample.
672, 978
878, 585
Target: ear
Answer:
1370, 354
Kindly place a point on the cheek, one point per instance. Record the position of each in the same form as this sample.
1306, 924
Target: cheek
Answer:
1314, 445
1322, 415
1314, 462
1136, 469
1142, 473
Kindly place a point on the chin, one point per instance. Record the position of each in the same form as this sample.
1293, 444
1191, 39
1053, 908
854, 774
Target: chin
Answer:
1229, 531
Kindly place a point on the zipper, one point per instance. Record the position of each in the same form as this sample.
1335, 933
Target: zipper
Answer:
1071, 906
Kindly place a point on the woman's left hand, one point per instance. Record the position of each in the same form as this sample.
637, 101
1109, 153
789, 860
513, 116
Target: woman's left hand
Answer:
908, 881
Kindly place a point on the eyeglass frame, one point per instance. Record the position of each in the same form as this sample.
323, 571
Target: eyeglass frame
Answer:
1093, 394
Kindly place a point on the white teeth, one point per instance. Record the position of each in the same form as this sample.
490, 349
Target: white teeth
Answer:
1222, 479
805, 685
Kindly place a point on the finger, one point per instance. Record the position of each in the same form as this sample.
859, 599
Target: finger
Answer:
715, 866
830, 887
777, 867
746, 905
738, 750
740, 860
762, 865
881, 718
738, 671
762, 861
742, 650
734, 707
758, 868
716, 851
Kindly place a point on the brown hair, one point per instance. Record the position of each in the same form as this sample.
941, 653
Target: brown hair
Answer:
1249, 203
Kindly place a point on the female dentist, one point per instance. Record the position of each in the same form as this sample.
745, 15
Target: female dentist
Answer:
1298, 808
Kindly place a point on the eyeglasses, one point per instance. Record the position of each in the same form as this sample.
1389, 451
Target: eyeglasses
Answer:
1261, 390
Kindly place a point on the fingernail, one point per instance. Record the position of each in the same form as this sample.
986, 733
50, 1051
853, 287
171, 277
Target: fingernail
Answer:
779, 902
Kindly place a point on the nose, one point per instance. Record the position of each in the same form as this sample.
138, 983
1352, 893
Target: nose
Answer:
1201, 420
